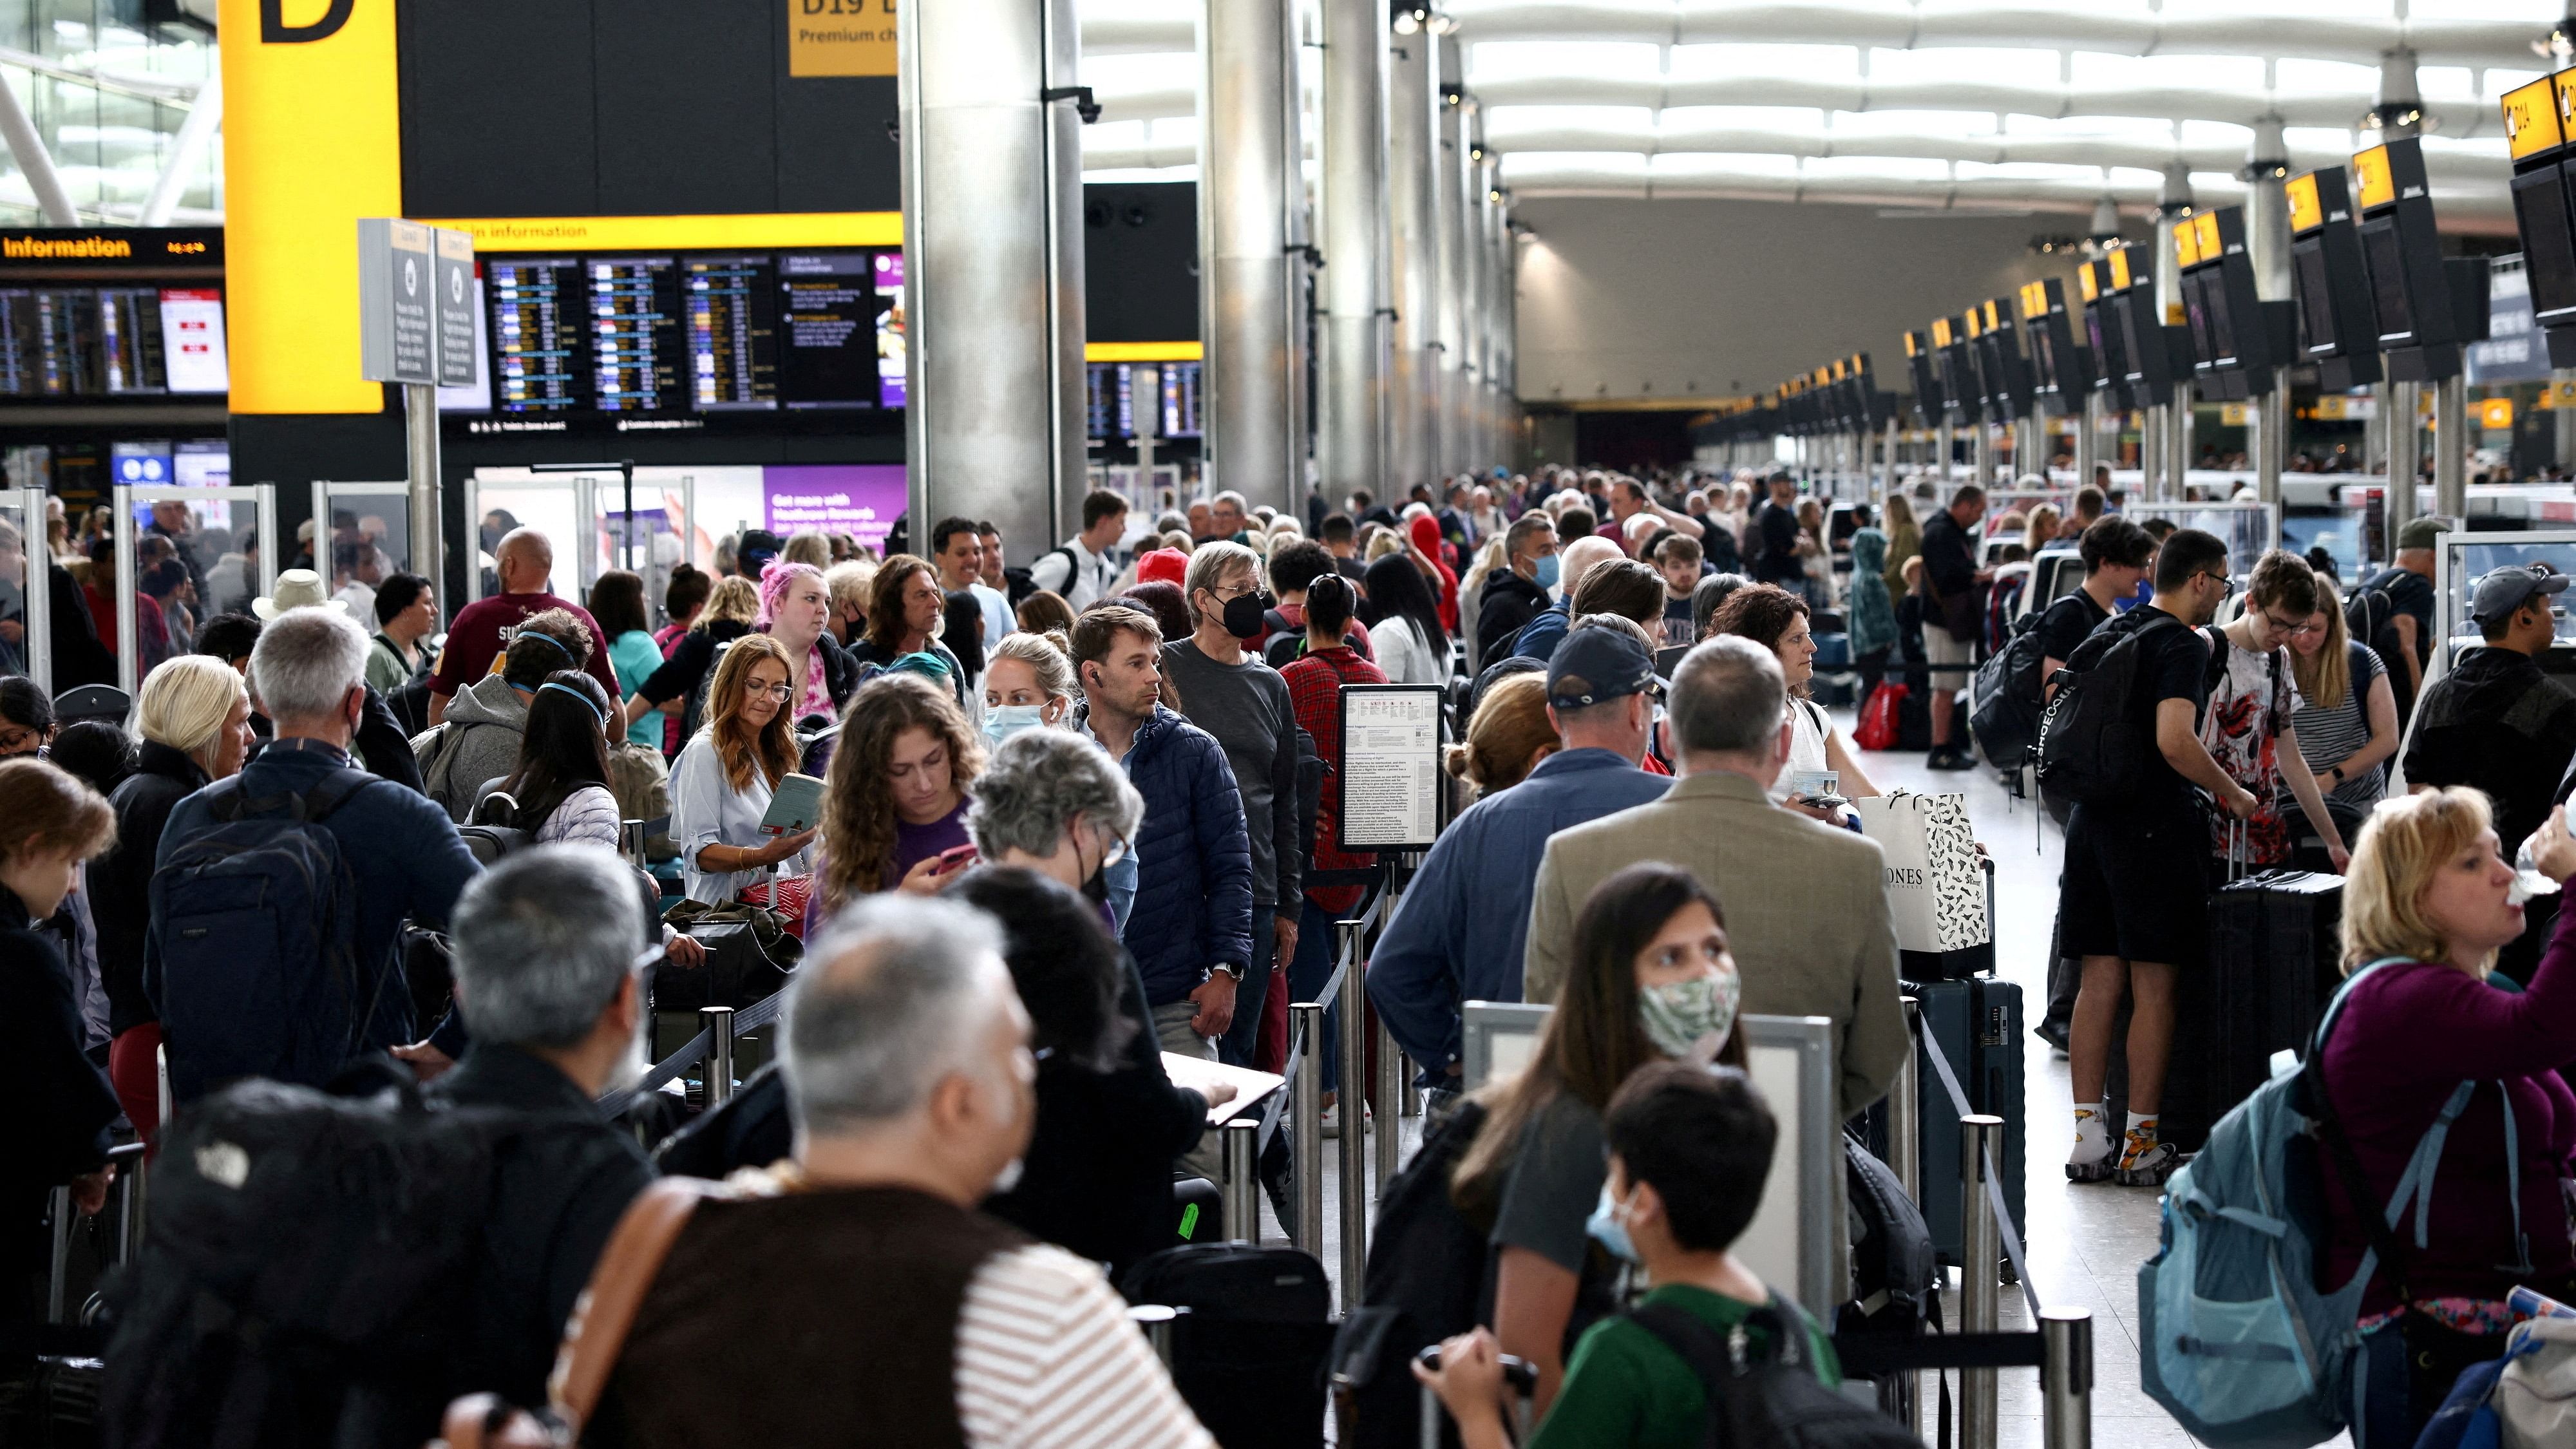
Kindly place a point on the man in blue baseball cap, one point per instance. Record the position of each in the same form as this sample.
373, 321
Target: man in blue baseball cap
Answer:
1465, 922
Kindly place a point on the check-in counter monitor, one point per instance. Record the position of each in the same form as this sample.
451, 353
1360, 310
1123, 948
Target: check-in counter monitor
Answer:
2102, 333
2420, 322
2237, 338
2009, 386
2144, 349
2536, 121
2061, 372
2337, 331
1921, 370
1962, 400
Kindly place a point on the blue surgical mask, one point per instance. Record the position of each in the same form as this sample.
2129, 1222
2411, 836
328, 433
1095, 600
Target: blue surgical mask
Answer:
1547, 575
1608, 1226
1005, 720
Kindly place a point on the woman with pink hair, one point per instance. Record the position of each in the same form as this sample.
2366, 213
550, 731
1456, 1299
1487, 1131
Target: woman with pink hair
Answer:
796, 610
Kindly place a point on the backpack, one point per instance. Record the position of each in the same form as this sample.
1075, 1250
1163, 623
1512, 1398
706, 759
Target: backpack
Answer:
1426, 1272
2371, 618
434, 750
2003, 697
257, 921
2240, 1345
641, 780
1895, 1283
1768, 1398
307, 1272
2090, 741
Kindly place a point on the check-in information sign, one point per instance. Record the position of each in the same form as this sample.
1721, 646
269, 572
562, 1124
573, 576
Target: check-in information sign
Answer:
415, 303
454, 302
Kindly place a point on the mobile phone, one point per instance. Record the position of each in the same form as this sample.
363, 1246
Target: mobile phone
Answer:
956, 858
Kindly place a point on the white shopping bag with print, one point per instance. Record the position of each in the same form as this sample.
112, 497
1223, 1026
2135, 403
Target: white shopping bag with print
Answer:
1935, 887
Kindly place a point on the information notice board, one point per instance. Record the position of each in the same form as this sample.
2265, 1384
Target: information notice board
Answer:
1389, 779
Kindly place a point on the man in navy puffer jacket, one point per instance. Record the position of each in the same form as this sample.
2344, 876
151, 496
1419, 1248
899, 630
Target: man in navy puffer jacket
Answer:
1191, 927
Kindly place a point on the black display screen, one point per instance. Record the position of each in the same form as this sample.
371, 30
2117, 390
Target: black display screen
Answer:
2385, 258
538, 311
828, 307
2316, 298
2196, 304
2133, 349
2548, 245
730, 308
2108, 355
638, 343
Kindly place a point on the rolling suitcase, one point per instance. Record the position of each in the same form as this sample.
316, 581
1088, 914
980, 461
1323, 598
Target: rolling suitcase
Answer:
1249, 1355
1976, 1024
2274, 946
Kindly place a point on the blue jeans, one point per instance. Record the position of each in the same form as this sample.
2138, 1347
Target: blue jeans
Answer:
1235, 1047
1317, 948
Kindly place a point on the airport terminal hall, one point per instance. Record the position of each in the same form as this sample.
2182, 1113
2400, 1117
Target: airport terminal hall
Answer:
1264, 724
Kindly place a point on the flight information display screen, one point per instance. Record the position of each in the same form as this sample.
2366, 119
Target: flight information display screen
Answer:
672, 337
1112, 392
92, 342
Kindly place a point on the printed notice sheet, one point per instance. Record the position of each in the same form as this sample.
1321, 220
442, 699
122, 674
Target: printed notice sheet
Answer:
1390, 775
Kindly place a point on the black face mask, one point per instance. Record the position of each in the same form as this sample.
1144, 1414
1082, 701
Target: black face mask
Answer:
1095, 888
1243, 614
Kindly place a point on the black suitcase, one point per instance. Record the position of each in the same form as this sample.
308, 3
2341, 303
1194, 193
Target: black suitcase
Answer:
1977, 1025
2274, 948
1250, 1353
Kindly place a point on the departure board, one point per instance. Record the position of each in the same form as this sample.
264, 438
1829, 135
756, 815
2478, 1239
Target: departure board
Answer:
1181, 400
17, 342
1101, 393
65, 351
637, 339
892, 384
731, 308
828, 308
538, 311
129, 335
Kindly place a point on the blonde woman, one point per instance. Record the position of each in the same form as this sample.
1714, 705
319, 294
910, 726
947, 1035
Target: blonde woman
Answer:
2042, 530
194, 717
721, 784
894, 805
2346, 718
1904, 541
2428, 901
1489, 556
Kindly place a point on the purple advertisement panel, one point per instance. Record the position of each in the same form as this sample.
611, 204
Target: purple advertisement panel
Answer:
859, 499
891, 388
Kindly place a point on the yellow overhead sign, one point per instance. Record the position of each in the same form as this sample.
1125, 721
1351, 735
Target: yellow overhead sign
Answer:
2372, 183
2119, 269
1940, 331
2186, 243
840, 37
2531, 118
2205, 227
657, 233
2086, 281
1143, 351
2306, 213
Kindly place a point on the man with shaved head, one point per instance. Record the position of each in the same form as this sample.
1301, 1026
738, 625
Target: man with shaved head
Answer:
525, 562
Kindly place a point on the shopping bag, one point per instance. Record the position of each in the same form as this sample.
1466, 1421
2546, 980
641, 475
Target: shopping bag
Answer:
1935, 887
1879, 717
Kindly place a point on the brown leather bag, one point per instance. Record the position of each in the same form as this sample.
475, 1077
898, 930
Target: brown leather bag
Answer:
596, 1334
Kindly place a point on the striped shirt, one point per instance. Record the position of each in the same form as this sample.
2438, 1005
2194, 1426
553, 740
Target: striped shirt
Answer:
1047, 1359
2328, 737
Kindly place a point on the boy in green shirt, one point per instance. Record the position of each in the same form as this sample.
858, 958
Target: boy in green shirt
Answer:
1689, 1148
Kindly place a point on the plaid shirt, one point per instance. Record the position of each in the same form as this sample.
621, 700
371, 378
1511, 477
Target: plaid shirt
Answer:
1315, 689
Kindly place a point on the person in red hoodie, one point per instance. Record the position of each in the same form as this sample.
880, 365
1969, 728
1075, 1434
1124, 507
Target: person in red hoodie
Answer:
1424, 531
2428, 901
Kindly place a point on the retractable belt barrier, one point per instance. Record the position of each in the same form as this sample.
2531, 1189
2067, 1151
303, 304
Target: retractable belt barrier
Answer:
691, 1052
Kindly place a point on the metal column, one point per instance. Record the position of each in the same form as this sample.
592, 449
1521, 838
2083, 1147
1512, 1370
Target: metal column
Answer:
2451, 447
1947, 442
1351, 443
1240, 1152
1471, 285
1306, 1117
428, 531
1353, 1197
1247, 293
34, 162
2088, 439
1413, 452
2405, 457
2066, 1378
1980, 1251
992, 222
1982, 456
1449, 196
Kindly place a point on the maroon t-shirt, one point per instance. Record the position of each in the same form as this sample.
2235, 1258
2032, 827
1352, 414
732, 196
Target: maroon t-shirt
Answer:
476, 636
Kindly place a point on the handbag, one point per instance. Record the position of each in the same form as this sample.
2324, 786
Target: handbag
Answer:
750, 954
1879, 717
595, 1336
787, 896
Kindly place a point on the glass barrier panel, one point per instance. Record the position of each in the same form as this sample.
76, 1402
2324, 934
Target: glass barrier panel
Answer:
370, 540
2247, 532
2471, 562
21, 538
549, 509
2337, 530
194, 559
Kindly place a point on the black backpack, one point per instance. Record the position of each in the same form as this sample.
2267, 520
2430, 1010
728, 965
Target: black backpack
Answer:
1895, 1283
1768, 1398
307, 1271
2003, 701
2090, 739
1249, 1355
2371, 618
1426, 1276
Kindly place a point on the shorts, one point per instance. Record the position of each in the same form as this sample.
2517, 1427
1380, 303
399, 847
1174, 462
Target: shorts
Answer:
2136, 884
1939, 648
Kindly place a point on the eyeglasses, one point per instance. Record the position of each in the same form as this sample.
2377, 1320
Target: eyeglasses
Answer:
2295, 631
780, 692
2226, 585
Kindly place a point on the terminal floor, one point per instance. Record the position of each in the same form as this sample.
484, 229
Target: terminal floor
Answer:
2084, 1242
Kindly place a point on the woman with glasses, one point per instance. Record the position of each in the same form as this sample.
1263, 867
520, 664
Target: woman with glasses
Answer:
2247, 728
721, 784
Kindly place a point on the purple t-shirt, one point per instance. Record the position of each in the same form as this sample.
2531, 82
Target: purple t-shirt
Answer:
914, 844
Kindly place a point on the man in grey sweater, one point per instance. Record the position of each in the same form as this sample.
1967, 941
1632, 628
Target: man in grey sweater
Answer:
1245, 705
478, 742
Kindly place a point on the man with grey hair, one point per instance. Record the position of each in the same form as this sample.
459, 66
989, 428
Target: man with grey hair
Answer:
1806, 905
551, 947
1246, 705
911, 1084
403, 857
1225, 518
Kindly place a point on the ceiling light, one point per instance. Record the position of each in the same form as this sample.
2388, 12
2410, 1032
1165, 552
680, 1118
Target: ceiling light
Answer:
1475, 153
1441, 24
1409, 22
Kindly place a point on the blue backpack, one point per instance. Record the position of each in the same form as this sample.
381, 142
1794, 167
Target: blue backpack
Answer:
2236, 1340
257, 926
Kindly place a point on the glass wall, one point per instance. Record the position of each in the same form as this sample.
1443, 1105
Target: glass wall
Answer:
108, 91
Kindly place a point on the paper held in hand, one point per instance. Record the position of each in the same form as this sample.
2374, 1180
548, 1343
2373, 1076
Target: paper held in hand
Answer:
795, 805
1249, 1086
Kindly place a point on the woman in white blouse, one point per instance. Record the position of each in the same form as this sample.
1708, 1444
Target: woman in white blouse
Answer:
1403, 618
721, 783
1776, 619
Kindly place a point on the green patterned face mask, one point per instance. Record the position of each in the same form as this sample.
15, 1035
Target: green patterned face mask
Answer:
1678, 1014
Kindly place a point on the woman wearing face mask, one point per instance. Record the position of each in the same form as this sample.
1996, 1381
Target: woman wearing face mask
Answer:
49, 823
894, 804
194, 716
1652, 980
1029, 684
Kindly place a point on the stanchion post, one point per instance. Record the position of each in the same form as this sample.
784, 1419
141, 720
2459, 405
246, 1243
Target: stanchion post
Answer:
1978, 1250
1354, 1193
1905, 1110
2066, 1378
1241, 1140
1157, 1320
58, 1207
718, 1069
133, 1185
1390, 1091
1306, 1124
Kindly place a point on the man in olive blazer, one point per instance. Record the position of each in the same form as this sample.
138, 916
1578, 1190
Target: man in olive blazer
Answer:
1805, 902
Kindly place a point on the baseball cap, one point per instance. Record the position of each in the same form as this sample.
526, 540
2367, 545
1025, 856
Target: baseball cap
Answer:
2506, 589
2421, 532
1593, 666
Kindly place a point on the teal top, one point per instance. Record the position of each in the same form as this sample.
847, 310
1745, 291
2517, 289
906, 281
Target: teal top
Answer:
1625, 1390
635, 656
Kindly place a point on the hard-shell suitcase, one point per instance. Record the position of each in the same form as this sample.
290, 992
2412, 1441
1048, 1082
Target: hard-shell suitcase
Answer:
1249, 1355
2273, 950
1976, 1024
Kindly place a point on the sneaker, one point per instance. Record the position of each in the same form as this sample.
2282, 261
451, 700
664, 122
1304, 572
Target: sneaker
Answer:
2092, 1171
2147, 1162
1951, 758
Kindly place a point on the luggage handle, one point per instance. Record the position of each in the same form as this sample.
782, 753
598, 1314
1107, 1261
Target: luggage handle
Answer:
1519, 1375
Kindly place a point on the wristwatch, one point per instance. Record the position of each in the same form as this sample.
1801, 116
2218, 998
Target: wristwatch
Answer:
1227, 969
2337, 772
